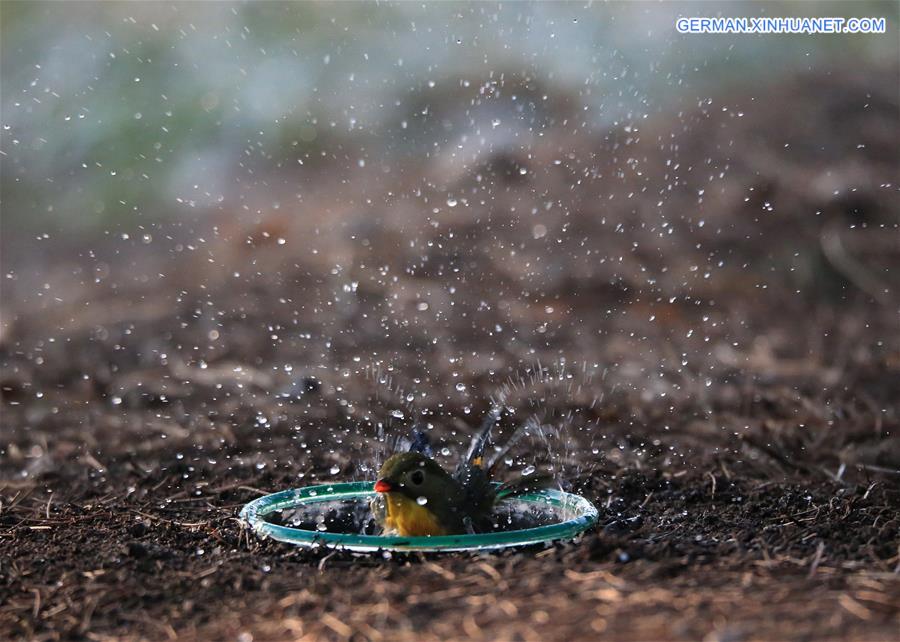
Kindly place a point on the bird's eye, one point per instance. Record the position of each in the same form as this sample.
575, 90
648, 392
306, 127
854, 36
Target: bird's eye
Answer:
417, 477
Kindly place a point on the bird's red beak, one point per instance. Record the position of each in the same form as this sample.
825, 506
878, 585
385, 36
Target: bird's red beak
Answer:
381, 486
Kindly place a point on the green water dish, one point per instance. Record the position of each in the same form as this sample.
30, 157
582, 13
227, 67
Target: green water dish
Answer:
570, 515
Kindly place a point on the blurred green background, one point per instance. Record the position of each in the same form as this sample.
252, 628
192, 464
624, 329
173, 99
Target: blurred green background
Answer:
119, 114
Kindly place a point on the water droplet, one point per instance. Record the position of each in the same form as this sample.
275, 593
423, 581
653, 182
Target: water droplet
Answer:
529, 470
334, 470
421, 501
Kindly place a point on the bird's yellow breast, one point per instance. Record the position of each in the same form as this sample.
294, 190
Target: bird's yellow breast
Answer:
407, 518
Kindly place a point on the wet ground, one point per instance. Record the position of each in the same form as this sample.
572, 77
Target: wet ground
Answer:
705, 306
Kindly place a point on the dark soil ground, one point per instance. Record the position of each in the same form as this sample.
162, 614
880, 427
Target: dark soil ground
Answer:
720, 283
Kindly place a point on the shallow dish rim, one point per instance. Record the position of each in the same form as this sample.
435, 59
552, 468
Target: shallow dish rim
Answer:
254, 512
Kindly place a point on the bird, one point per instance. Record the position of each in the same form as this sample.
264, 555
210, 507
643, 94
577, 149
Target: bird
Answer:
417, 497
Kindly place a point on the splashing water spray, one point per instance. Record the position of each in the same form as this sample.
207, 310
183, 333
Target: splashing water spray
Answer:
415, 505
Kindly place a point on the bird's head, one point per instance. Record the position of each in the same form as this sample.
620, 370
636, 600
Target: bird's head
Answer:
416, 476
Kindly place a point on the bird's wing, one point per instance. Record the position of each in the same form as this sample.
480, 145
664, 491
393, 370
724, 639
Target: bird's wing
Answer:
471, 474
416, 441
529, 426
419, 442
475, 455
